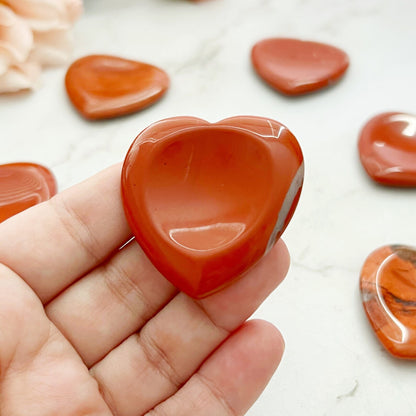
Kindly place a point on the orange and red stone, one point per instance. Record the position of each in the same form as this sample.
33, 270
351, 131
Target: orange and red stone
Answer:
207, 201
23, 185
102, 86
387, 148
388, 288
295, 67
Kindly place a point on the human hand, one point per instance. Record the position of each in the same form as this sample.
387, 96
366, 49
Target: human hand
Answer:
89, 329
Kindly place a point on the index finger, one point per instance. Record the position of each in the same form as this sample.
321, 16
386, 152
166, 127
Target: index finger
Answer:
52, 244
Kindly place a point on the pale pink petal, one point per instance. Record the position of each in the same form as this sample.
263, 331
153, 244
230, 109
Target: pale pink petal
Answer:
20, 77
33, 34
16, 39
74, 9
4, 63
52, 48
44, 15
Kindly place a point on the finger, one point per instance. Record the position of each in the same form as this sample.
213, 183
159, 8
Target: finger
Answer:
17, 303
39, 369
115, 300
231, 380
150, 366
54, 243
112, 302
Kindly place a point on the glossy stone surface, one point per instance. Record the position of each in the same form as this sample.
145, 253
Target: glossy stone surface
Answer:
388, 288
102, 86
296, 67
23, 185
387, 147
207, 201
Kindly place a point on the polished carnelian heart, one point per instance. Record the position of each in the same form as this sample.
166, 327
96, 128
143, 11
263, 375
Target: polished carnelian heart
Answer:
23, 185
388, 288
207, 201
387, 148
295, 67
102, 86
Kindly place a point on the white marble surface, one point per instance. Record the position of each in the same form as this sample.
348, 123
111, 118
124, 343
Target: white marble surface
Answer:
333, 364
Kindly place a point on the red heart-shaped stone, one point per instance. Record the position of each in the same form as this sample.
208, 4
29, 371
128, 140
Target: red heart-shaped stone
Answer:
102, 86
387, 147
207, 201
295, 67
388, 288
23, 185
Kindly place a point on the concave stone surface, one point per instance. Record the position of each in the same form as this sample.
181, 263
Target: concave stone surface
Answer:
295, 67
388, 288
387, 147
23, 185
102, 86
207, 201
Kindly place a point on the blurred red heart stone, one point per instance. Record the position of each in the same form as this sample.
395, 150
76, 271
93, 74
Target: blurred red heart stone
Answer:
102, 86
296, 67
387, 147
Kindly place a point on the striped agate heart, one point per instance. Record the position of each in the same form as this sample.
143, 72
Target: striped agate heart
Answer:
23, 185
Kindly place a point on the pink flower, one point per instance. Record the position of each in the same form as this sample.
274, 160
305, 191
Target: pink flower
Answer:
33, 34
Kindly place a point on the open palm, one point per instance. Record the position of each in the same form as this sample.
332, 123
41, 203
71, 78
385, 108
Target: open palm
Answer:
87, 328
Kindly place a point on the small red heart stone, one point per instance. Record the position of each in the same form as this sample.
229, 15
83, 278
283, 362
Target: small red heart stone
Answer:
296, 67
23, 185
102, 86
387, 147
388, 288
207, 201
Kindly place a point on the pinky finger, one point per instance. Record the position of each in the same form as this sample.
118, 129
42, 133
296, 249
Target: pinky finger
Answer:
231, 380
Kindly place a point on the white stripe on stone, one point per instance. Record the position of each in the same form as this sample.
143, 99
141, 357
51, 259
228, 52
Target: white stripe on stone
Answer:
287, 204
